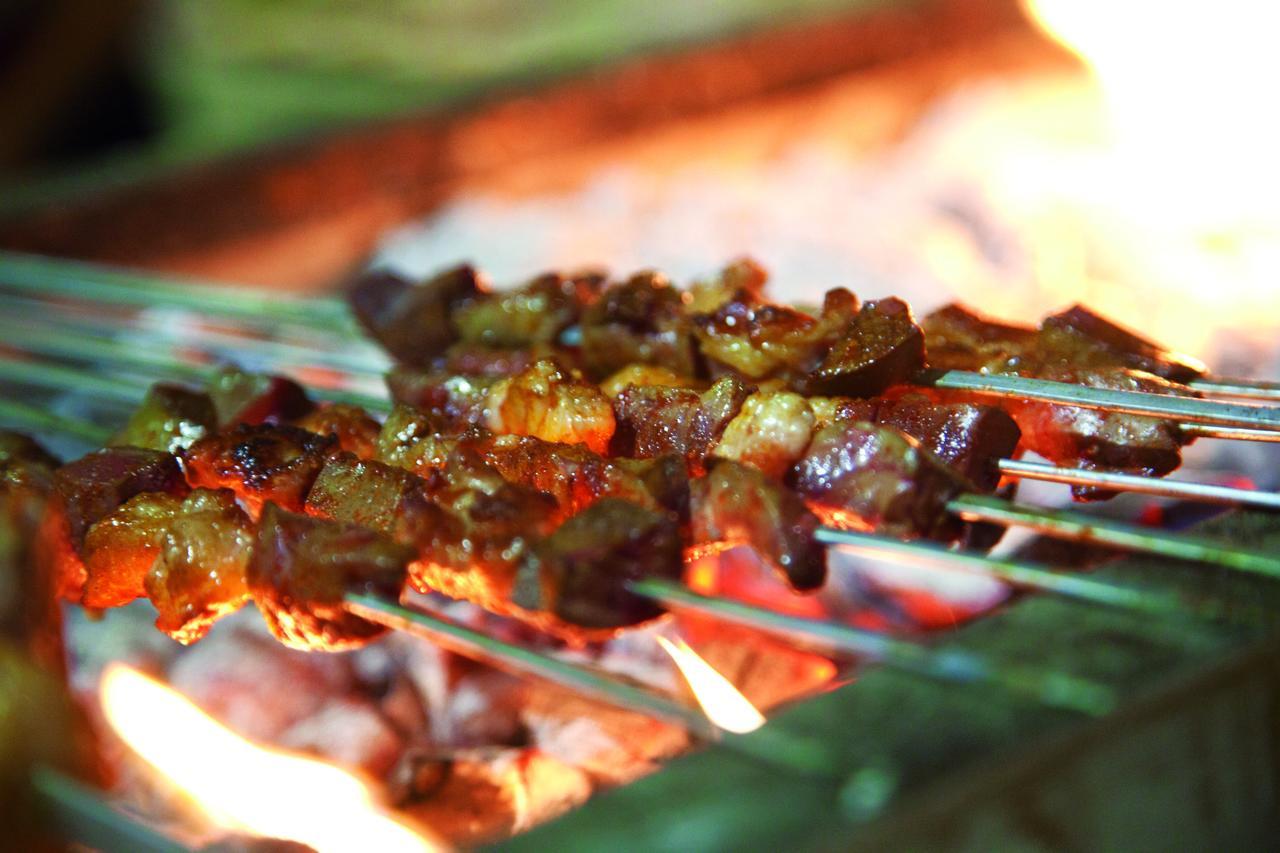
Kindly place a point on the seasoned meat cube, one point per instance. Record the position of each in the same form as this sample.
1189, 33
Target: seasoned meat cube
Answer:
857, 474
303, 567
410, 439
743, 280
359, 491
762, 340
1099, 439
261, 463
355, 431
17, 449
533, 314
95, 485
571, 473
1083, 338
736, 504
656, 421
170, 419
552, 404
770, 432
580, 573
641, 321
199, 576
28, 606
453, 401
476, 360
883, 346
413, 321
240, 397
959, 339
666, 478
119, 550
644, 375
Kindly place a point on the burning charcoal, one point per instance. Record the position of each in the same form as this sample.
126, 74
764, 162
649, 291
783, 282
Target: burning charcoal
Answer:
255, 398
856, 474
771, 432
959, 339
360, 492
170, 419
120, 548
452, 401
348, 731
882, 347
302, 568
413, 321
1092, 340
478, 796
552, 404
571, 473
355, 431
261, 463
738, 504
761, 340
533, 314
199, 576
94, 485
579, 573
641, 321
657, 421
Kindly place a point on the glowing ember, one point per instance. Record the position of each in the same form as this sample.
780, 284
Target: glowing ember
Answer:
244, 787
723, 703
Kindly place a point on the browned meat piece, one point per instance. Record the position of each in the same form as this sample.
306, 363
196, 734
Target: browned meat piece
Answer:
970, 437
199, 576
641, 321
1098, 439
477, 360
959, 339
579, 574
302, 568
760, 340
16, 448
571, 473
645, 375
859, 475
771, 432
261, 463
666, 478
170, 419
453, 401
120, 548
742, 280
360, 491
29, 611
533, 314
1085, 339
411, 439
882, 347
736, 504
240, 397
656, 421
413, 321
355, 431
552, 404
93, 486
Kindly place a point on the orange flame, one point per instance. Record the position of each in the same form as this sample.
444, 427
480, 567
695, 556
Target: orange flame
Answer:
723, 703
244, 787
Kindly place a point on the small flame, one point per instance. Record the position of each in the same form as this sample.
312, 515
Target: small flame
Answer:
244, 787
723, 703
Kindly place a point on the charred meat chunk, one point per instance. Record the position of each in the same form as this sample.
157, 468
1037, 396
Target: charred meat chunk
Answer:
95, 485
859, 475
359, 491
355, 431
882, 347
1088, 339
170, 419
579, 574
120, 548
738, 505
260, 463
413, 321
552, 404
240, 397
770, 432
641, 321
302, 568
199, 574
412, 440
655, 421
761, 340
959, 339
526, 316
454, 401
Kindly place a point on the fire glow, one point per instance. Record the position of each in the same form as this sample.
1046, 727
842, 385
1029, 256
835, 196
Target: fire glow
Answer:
243, 787
723, 703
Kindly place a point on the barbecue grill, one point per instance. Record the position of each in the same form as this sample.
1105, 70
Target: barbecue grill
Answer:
925, 751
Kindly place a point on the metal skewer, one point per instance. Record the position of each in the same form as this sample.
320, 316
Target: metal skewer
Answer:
1182, 489
82, 815
1224, 386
